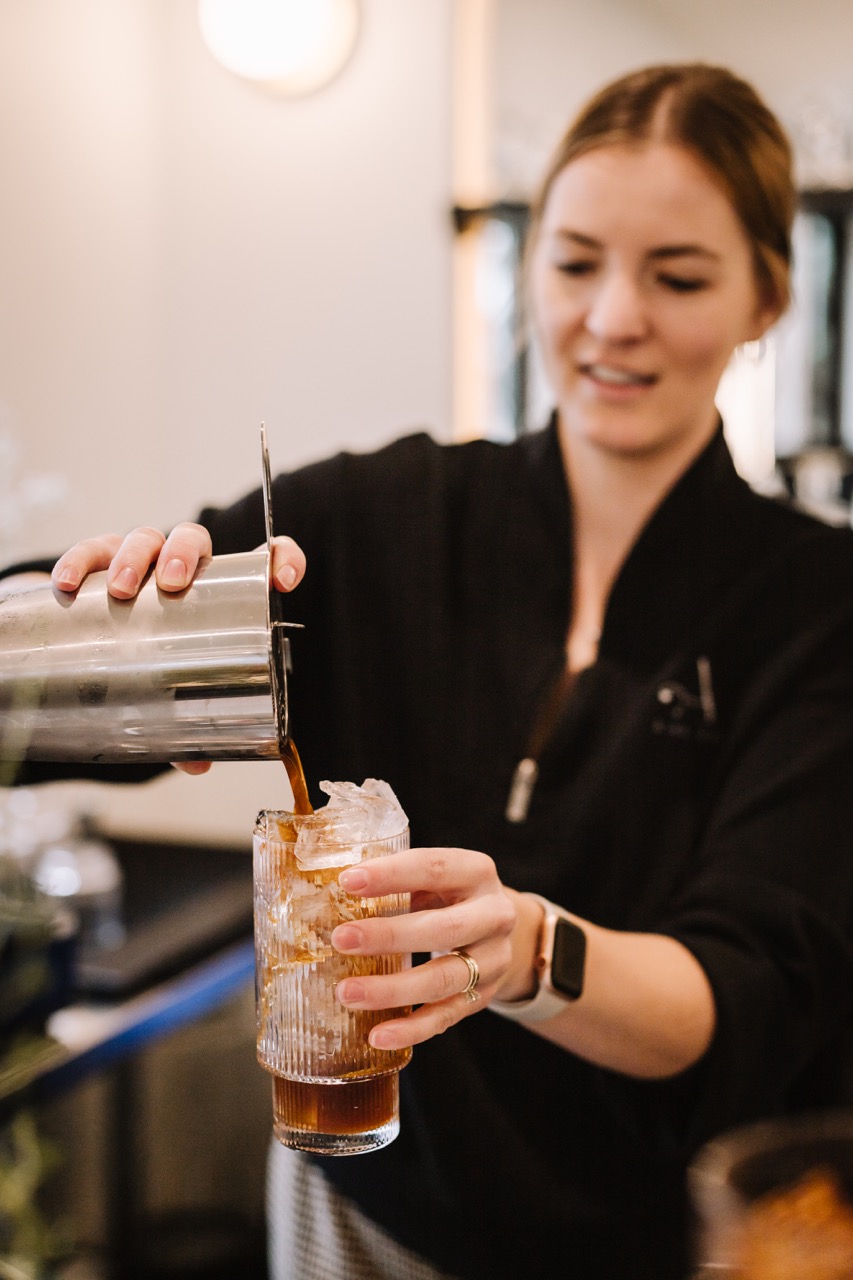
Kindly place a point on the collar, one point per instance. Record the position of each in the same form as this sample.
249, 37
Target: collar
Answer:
684, 559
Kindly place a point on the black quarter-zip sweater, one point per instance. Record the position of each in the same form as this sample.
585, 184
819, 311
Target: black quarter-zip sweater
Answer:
699, 783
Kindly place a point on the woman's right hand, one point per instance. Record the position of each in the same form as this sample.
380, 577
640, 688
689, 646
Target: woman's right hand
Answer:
175, 559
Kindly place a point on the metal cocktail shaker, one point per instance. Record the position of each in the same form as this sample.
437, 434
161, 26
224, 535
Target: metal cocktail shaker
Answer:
199, 674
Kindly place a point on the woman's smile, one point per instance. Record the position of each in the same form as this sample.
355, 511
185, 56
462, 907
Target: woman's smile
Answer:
615, 380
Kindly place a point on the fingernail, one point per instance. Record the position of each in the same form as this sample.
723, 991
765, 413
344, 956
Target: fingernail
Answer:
174, 574
127, 580
381, 1039
68, 578
351, 991
352, 880
286, 577
346, 937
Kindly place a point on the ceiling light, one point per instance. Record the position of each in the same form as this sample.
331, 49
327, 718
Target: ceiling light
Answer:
289, 46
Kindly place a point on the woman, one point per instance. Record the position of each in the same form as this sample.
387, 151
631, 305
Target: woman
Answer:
612, 687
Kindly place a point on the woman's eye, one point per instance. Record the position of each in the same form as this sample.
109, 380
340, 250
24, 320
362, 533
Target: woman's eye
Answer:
683, 284
576, 267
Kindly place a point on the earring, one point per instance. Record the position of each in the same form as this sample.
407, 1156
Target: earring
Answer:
753, 352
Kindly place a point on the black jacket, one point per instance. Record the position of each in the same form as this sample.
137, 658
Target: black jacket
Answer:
436, 609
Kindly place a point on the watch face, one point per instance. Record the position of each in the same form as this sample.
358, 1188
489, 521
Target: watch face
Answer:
567, 959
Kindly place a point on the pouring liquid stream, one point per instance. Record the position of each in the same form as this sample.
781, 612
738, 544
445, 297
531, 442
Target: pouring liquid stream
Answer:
296, 777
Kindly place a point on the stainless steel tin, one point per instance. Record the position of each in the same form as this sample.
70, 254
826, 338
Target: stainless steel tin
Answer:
165, 677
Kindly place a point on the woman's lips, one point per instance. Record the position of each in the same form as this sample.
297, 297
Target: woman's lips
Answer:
614, 376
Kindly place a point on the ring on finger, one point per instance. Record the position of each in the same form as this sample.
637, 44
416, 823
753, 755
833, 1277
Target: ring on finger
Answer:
470, 992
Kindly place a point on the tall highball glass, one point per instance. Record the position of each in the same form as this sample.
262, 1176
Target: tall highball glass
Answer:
333, 1093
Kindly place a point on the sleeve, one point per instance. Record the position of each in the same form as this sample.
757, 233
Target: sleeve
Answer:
341, 511
28, 566
768, 911
371, 526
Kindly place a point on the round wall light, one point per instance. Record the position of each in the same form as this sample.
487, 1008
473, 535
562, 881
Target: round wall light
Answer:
289, 46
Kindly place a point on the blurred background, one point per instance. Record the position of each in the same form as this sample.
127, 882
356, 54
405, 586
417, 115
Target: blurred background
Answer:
185, 253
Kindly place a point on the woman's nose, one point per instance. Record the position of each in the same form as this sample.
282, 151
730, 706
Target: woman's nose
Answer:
616, 311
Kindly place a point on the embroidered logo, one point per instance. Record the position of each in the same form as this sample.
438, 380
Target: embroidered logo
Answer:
681, 713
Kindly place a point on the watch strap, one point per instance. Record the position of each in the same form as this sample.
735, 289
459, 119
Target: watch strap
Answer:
547, 1002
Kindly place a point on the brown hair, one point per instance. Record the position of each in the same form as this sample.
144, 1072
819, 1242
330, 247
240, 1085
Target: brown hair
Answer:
724, 123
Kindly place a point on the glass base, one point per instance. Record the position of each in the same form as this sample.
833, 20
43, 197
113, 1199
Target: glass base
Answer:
337, 1144
337, 1117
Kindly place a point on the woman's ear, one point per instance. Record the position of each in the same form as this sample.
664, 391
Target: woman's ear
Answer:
767, 311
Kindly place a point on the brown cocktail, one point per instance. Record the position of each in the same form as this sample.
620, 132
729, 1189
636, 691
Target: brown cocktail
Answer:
333, 1093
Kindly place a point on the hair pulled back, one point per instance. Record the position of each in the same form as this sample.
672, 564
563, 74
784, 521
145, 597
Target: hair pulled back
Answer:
723, 122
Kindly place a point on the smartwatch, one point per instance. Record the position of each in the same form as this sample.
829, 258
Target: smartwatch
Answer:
560, 964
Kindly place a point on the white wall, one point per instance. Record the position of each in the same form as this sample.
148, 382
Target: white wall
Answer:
551, 54
794, 51
183, 256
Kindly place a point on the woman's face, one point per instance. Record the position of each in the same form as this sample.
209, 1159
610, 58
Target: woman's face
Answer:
642, 284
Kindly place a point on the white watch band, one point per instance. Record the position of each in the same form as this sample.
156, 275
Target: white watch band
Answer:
547, 1002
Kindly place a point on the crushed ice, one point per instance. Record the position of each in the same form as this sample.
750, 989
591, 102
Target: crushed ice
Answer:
333, 835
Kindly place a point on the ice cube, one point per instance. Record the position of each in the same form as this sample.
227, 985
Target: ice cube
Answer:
383, 813
390, 817
330, 837
333, 835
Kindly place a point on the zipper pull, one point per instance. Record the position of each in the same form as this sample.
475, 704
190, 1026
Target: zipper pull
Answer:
706, 690
521, 790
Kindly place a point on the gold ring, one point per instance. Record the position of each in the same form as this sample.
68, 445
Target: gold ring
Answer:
470, 992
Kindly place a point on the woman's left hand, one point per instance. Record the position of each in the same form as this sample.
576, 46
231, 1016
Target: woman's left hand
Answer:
457, 900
